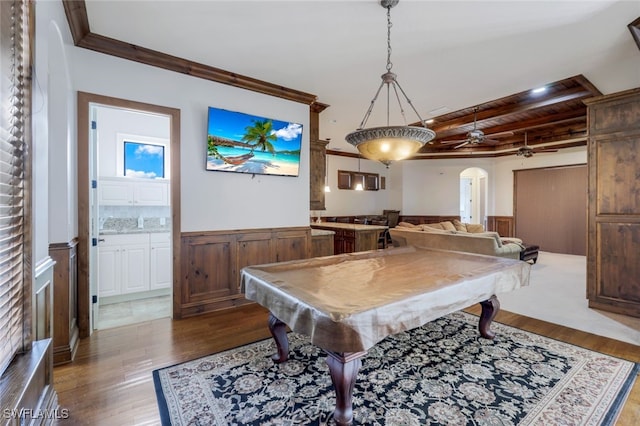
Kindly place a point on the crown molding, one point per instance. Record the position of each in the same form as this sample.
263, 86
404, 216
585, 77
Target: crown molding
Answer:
76, 12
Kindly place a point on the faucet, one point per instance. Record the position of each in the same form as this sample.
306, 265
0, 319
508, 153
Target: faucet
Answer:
102, 220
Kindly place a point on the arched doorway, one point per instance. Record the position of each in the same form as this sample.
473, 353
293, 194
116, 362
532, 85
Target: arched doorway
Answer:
473, 195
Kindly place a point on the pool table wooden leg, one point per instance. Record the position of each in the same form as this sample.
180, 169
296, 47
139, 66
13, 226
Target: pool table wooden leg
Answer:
490, 309
344, 370
278, 330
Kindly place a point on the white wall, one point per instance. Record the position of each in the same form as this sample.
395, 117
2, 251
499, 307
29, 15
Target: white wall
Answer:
432, 187
53, 155
210, 200
114, 121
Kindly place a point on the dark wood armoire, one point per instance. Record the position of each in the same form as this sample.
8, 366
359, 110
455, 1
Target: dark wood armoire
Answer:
613, 249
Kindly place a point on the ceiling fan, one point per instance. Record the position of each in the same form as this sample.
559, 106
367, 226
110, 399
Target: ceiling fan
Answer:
474, 136
526, 151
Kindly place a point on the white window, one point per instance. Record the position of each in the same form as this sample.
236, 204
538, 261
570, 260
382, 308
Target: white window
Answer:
142, 157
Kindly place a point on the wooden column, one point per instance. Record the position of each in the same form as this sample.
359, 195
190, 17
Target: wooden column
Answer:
65, 306
613, 248
317, 158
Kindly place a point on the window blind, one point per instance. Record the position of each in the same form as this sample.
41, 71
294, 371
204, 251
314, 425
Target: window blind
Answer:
14, 61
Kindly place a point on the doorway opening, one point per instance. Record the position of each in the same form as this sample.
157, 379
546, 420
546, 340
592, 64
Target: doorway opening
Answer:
134, 276
473, 196
129, 210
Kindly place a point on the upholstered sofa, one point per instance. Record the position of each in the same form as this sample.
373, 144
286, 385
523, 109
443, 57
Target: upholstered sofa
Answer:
456, 236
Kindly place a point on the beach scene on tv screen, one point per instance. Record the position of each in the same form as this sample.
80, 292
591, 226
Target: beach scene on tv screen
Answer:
244, 143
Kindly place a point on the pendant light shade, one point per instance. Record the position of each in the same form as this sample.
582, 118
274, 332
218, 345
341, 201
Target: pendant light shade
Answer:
387, 144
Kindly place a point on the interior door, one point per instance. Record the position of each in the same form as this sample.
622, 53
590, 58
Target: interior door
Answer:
550, 206
482, 201
466, 185
93, 212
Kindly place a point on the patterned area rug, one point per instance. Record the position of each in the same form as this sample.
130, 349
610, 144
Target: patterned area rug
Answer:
441, 373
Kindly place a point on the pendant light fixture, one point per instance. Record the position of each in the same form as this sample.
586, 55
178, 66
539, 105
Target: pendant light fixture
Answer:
327, 188
390, 143
359, 186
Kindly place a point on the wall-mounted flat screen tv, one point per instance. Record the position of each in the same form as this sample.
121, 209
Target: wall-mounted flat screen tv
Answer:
244, 143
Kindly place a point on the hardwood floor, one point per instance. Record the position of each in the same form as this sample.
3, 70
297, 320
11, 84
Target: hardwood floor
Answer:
110, 380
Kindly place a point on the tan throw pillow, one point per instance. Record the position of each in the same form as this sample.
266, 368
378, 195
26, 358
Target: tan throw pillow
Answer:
459, 225
447, 226
428, 228
432, 225
406, 225
474, 227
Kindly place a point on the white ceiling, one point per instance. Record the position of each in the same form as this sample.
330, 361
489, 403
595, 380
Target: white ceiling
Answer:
448, 55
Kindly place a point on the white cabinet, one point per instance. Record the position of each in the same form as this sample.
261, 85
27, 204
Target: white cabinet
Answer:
151, 193
115, 192
123, 264
109, 270
135, 268
161, 272
132, 192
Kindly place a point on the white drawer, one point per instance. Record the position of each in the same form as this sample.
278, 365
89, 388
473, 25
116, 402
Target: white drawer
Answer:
160, 237
119, 239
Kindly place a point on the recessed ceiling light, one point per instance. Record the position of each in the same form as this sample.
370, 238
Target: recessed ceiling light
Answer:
539, 90
429, 121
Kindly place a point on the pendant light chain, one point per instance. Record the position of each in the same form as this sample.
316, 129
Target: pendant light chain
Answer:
389, 25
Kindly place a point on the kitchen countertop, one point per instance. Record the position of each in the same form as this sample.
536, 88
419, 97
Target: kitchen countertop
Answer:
133, 231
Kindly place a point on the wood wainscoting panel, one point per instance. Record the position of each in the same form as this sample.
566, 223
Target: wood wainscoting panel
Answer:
420, 219
252, 248
212, 261
503, 225
208, 266
292, 244
42, 324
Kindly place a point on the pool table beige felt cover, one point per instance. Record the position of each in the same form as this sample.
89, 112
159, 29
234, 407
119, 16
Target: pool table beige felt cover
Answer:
348, 303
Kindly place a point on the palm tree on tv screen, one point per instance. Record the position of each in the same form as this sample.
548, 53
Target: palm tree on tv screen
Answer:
260, 135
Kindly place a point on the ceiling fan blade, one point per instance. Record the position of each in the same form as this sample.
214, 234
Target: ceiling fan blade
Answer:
461, 145
452, 141
500, 134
